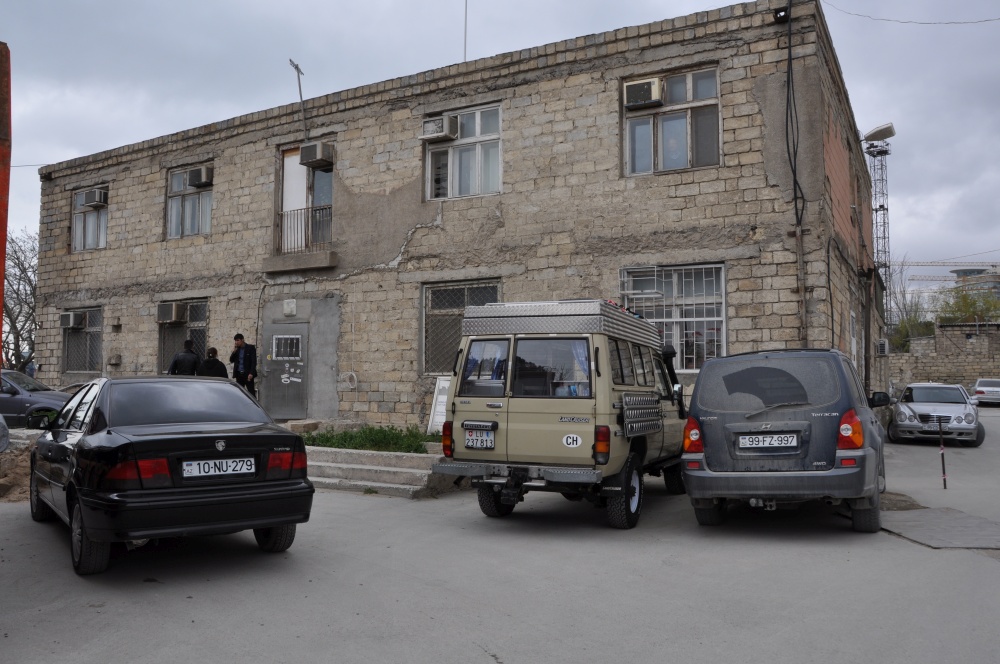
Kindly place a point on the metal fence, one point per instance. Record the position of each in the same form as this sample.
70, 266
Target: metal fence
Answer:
306, 231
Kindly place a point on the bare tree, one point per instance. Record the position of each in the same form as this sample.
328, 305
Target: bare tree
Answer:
19, 300
909, 314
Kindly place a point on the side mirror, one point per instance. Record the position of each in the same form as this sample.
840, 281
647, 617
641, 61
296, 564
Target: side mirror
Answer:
41, 420
879, 399
679, 400
9, 389
974, 401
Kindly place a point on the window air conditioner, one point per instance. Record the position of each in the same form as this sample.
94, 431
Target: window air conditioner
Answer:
443, 128
200, 177
882, 347
640, 94
316, 155
71, 319
171, 312
95, 198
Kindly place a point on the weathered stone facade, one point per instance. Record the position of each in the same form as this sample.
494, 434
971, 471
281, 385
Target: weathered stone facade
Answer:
958, 353
567, 219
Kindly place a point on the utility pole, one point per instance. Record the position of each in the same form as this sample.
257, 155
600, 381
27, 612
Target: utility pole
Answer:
5, 143
302, 104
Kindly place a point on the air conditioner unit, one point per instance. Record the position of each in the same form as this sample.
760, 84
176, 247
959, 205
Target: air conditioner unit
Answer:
71, 319
882, 347
200, 177
95, 198
640, 94
443, 128
316, 155
171, 312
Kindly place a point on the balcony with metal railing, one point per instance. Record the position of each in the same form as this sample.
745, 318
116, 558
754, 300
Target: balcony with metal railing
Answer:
303, 240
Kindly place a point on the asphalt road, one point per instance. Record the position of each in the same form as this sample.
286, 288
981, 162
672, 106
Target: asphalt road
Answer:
378, 579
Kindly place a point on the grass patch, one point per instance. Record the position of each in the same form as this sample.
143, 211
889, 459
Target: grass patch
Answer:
378, 439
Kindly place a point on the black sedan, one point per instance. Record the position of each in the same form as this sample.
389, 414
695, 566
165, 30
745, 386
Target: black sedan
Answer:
134, 459
21, 396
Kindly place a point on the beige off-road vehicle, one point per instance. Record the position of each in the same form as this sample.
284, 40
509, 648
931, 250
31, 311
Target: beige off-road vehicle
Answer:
565, 397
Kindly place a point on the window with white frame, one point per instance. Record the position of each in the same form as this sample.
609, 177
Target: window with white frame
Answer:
682, 133
90, 219
189, 202
306, 204
444, 306
469, 165
687, 304
82, 343
193, 325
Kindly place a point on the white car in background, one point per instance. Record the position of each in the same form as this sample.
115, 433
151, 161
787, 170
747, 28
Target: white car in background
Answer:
931, 411
987, 391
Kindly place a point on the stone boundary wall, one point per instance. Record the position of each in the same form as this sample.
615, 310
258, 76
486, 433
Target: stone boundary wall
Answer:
955, 354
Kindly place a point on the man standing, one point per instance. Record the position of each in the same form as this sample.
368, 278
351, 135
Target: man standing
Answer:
186, 362
244, 360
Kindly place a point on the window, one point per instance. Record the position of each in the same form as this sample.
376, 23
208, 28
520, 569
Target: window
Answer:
306, 205
194, 327
470, 164
551, 368
685, 303
485, 370
189, 208
90, 220
444, 307
83, 344
683, 133
622, 372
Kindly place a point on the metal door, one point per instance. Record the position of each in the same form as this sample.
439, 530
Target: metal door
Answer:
285, 394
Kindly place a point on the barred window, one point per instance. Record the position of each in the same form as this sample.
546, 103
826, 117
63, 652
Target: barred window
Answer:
193, 325
82, 344
687, 304
444, 306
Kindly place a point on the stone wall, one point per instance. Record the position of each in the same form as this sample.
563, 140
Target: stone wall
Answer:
955, 354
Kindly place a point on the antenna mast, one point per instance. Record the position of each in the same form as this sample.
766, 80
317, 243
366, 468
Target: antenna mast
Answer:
302, 104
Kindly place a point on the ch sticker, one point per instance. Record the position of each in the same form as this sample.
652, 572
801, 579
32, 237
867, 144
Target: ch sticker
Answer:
572, 440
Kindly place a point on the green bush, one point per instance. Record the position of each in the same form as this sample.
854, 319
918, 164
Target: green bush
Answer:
379, 439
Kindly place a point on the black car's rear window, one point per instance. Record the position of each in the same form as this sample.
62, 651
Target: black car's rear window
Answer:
181, 402
741, 385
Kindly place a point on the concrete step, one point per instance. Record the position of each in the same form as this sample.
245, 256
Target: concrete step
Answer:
386, 473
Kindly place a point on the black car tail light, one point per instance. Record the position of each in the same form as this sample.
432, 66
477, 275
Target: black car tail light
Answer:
142, 474
286, 465
850, 434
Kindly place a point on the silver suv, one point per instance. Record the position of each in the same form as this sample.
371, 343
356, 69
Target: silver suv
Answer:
784, 427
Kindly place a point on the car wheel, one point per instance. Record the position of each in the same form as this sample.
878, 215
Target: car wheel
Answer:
489, 502
624, 508
276, 539
88, 557
891, 433
978, 440
711, 516
869, 519
673, 480
39, 510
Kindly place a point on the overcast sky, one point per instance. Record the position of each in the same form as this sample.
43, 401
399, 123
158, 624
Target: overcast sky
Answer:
91, 76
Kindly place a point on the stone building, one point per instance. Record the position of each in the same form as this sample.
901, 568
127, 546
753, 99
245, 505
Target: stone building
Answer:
646, 164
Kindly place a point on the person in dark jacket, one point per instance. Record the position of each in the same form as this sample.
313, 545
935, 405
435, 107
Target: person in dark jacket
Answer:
244, 360
213, 366
186, 362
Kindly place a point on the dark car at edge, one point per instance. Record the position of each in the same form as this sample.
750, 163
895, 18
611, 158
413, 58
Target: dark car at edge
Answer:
135, 459
784, 427
21, 396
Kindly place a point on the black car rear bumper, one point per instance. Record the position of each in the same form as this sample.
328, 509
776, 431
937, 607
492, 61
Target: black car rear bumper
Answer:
138, 515
840, 482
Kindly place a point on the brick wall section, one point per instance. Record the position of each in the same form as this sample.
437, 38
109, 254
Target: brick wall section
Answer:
566, 222
955, 354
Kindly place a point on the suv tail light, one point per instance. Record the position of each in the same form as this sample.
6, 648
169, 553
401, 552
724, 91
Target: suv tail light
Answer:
602, 445
447, 444
692, 437
286, 465
141, 474
850, 434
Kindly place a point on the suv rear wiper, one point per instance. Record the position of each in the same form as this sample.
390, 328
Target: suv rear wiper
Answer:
776, 405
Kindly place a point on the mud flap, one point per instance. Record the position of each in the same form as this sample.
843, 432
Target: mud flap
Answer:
513, 487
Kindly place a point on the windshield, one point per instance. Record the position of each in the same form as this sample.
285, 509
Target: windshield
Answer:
181, 402
942, 394
553, 368
26, 382
756, 384
987, 382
